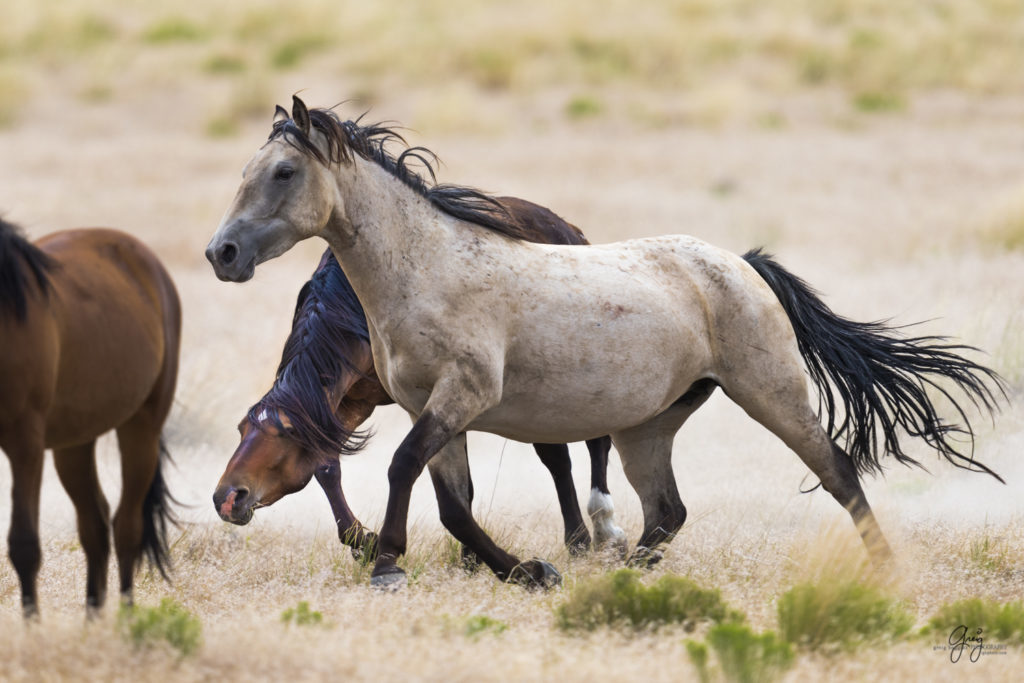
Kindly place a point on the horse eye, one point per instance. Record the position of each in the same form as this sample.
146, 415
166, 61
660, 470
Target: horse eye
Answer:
284, 173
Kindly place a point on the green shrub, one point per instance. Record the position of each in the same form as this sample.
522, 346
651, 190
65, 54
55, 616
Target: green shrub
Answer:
619, 598
1000, 623
169, 622
878, 101
746, 657
302, 615
224, 63
583, 106
843, 615
173, 30
480, 624
291, 52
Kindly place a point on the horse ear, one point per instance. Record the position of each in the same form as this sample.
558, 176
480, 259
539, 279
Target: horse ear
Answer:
300, 115
280, 114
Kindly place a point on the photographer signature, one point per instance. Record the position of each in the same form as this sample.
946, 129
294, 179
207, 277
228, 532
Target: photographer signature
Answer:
960, 640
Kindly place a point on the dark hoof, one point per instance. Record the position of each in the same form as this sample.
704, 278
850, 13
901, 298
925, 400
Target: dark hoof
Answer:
578, 549
578, 544
535, 573
644, 558
388, 579
93, 608
470, 560
364, 551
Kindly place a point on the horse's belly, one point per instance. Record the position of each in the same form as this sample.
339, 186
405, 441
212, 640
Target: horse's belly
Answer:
109, 365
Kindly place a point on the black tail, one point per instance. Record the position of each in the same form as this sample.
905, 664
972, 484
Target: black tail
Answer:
882, 379
157, 515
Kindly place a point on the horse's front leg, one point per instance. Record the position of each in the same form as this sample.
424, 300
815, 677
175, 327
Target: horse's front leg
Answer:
350, 530
430, 433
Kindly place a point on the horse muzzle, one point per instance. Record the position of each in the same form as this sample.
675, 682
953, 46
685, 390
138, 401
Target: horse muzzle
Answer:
229, 263
235, 505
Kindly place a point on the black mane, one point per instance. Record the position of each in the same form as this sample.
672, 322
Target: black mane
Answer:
328, 318
20, 260
370, 142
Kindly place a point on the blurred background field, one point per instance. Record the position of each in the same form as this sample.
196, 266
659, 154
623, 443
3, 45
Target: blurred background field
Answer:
877, 148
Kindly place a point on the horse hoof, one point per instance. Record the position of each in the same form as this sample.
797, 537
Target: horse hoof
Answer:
535, 573
367, 550
391, 580
644, 558
578, 543
470, 561
578, 548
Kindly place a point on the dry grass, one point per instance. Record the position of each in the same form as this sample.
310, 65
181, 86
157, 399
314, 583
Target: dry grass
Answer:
240, 584
865, 143
734, 56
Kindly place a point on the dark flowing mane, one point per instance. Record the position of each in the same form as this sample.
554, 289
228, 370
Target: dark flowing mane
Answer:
20, 260
370, 142
328, 319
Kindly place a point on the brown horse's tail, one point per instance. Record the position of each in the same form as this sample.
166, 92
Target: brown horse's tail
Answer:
157, 515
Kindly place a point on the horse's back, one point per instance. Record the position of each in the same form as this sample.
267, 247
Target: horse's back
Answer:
119, 318
624, 326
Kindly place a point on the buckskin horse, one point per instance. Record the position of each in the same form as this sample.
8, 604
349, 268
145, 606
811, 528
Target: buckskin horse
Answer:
326, 387
473, 327
89, 334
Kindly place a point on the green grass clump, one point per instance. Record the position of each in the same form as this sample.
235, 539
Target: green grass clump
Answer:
302, 615
1001, 624
170, 622
841, 615
173, 30
989, 554
223, 63
620, 599
743, 656
293, 51
583, 107
876, 101
480, 624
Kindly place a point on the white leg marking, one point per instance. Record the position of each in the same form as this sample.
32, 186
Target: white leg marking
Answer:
602, 513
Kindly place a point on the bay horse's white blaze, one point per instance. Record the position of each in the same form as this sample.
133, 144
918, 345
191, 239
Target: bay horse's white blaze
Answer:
473, 330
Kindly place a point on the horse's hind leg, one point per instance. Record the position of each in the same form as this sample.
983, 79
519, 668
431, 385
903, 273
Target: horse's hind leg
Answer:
76, 468
600, 506
646, 454
25, 450
778, 400
556, 458
139, 441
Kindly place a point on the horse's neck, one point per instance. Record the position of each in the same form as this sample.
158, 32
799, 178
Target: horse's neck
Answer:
390, 237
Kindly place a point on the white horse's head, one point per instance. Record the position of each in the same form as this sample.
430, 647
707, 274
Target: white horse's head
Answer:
288, 193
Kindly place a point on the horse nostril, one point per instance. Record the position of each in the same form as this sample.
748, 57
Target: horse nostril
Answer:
240, 495
227, 254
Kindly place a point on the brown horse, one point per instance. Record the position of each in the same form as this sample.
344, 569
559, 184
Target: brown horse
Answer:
89, 333
326, 387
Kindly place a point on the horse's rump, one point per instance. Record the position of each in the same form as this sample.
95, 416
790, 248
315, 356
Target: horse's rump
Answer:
118, 317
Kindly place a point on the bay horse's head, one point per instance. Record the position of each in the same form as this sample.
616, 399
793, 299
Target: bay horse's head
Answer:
267, 466
311, 414
288, 193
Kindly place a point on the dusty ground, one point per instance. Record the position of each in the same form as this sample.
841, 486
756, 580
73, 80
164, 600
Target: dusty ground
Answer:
902, 215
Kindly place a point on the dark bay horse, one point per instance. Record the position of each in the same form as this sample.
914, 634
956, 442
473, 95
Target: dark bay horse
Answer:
326, 386
89, 333
555, 343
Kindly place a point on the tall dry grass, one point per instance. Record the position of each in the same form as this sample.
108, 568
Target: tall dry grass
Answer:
865, 143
